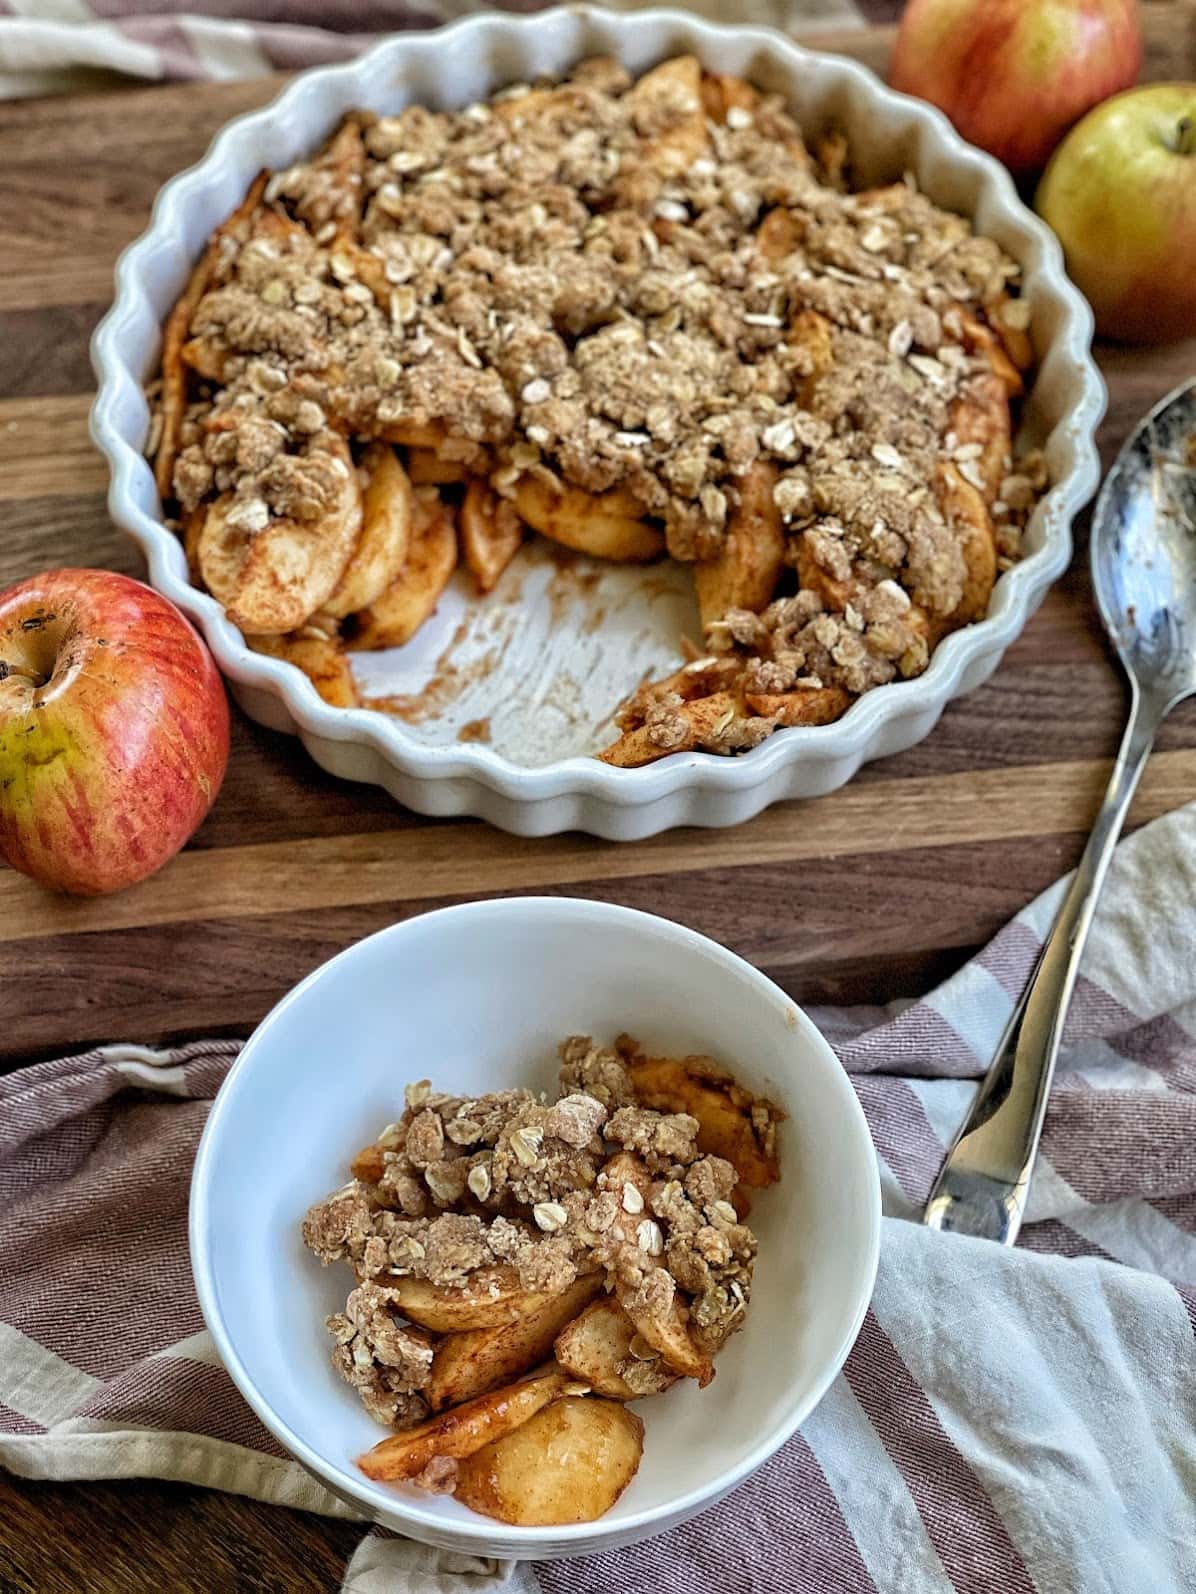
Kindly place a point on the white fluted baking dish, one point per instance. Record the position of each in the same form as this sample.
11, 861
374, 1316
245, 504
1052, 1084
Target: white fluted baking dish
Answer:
525, 786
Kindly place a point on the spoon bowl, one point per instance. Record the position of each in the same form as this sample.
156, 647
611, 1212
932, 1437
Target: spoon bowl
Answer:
1144, 550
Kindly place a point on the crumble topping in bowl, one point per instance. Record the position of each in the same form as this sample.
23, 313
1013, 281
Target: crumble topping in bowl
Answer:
631, 316
601, 1232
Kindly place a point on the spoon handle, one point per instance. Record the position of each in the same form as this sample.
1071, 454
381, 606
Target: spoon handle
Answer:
983, 1185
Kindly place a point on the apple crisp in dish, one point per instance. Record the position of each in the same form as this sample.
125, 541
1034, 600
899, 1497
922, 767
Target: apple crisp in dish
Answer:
524, 1268
639, 318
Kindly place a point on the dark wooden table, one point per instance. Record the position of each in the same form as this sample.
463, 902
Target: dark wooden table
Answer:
870, 893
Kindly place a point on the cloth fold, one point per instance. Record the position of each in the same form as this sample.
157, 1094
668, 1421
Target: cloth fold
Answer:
56, 46
1022, 1419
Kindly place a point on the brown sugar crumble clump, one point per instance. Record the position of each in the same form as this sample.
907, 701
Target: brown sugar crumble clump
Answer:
645, 300
386, 1360
462, 1192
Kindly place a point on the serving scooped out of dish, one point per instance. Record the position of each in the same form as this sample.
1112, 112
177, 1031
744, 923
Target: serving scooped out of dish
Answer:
524, 1269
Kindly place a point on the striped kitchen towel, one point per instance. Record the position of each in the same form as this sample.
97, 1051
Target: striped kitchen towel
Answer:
1017, 1420
53, 46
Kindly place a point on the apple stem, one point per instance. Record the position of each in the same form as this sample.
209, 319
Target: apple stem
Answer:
34, 677
1185, 136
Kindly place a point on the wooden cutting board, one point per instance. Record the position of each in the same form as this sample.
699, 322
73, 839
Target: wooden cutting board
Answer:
866, 894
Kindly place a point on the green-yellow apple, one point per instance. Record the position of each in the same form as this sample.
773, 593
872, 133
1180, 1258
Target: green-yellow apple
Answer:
113, 730
1121, 195
1013, 75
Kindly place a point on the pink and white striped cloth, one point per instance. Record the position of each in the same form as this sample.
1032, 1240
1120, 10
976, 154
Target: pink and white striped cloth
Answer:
1008, 1420
53, 46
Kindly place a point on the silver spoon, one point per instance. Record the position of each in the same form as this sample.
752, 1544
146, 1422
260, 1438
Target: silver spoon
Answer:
1144, 572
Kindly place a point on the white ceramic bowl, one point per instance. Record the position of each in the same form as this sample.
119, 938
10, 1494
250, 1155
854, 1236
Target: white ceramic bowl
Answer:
539, 793
478, 998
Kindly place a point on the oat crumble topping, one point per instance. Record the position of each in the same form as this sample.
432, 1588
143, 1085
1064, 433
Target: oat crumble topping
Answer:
460, 1192
650, 289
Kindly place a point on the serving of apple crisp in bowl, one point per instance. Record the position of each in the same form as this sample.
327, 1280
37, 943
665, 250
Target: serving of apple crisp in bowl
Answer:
644, 414
573, 1290
597, 1235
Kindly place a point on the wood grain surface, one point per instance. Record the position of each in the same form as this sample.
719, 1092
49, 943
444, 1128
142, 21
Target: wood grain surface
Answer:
869, 893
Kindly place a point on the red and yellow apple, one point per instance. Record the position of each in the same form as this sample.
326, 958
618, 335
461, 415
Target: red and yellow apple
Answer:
1120, 194
1013, 75
113, 730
